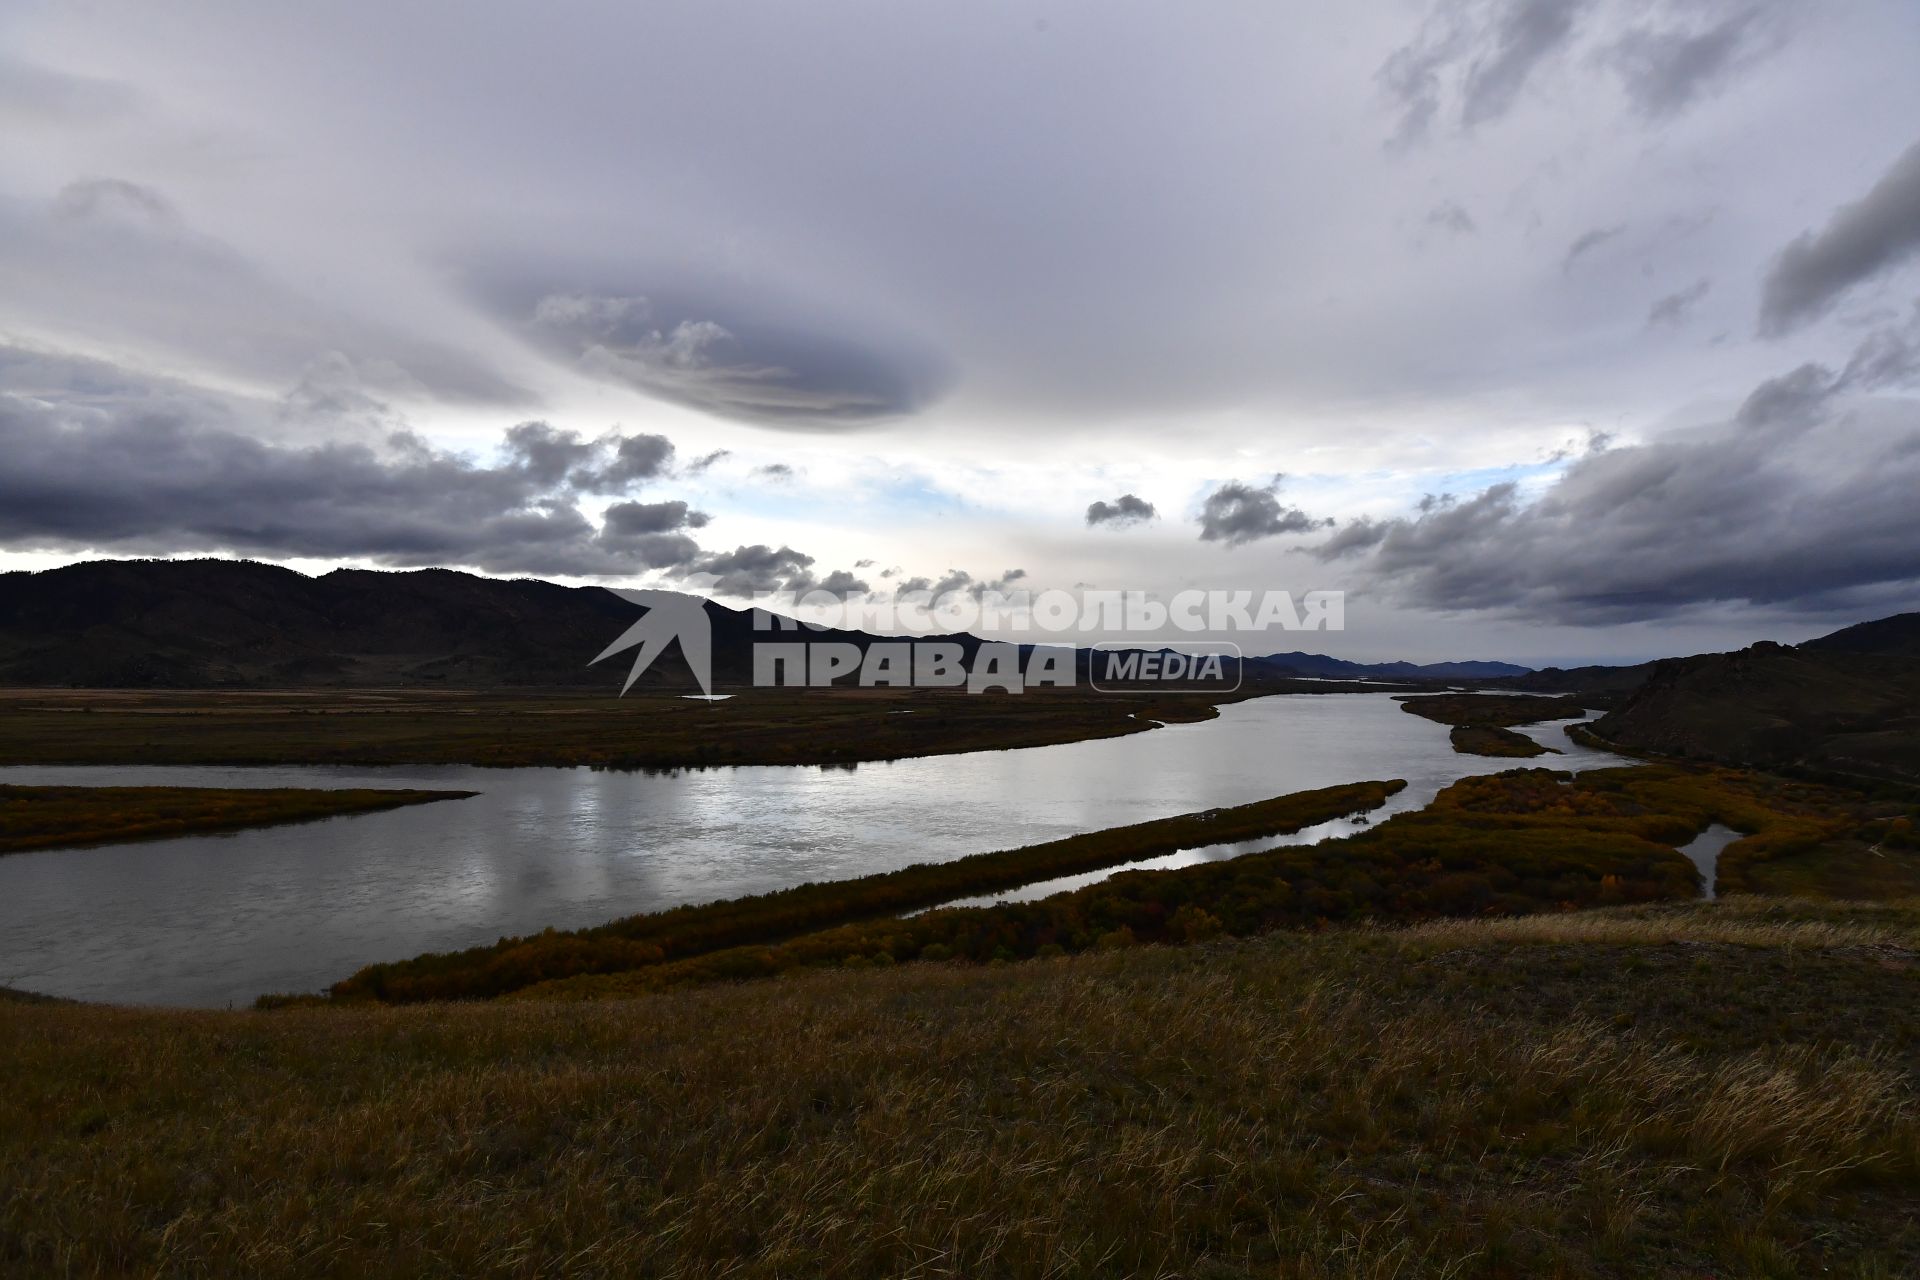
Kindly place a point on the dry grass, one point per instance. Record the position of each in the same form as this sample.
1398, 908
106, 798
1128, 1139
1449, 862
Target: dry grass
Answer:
59, 817
1350, 1104
530, 727
1740, 922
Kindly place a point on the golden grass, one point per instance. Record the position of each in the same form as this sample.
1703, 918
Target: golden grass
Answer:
1740, 921
1348, 1104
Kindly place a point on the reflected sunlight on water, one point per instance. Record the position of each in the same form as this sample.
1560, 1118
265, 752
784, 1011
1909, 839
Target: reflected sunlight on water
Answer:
209, 920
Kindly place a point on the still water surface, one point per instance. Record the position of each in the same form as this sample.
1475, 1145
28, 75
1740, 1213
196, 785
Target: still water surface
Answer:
213, 920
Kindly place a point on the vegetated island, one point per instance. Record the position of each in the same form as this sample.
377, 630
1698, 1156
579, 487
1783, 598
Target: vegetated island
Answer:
1483, 722
57, 817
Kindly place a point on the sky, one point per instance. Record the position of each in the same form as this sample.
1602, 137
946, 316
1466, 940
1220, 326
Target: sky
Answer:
1552, 331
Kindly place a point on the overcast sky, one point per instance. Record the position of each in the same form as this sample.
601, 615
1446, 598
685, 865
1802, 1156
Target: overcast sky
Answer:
1554, 330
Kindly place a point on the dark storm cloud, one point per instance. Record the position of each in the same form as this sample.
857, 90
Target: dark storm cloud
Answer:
725, 355
1674, 308
1804, 497
546, 455
1862, 240
1665, 69
611, 464
635, 459
1127, 509
630, 518
101, 459
760, 569
1237, 513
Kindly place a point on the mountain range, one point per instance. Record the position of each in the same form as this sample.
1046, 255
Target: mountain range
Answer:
241, 624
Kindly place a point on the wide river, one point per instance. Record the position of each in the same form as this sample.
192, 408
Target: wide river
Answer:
217, 920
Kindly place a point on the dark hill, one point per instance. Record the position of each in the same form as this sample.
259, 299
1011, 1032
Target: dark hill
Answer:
212, 624
1842, 705
1322, 666
237, 624
1898, 636
1588, 680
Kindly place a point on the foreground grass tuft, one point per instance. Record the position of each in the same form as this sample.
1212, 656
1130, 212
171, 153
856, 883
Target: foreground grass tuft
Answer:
1724, 1089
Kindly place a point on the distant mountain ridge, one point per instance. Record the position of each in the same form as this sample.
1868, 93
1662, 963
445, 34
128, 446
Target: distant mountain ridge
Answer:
1322, 666
241, 624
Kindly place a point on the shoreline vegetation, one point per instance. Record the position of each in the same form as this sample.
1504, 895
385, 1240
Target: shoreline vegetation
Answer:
543, 728
1491, 740
34, 817
1526, 840
1722, 1088
684, 933
1483, 722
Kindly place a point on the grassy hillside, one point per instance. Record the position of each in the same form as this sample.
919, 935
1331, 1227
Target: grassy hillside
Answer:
1827, 712
1724, 1089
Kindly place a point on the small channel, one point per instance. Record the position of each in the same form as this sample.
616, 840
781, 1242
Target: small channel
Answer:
1704, 849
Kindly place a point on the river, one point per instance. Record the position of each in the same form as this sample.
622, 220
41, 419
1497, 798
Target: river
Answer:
217, 920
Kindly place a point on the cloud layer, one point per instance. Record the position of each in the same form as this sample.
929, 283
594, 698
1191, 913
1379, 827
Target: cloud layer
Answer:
1237, 514
1802, 498
946, 285
1871, 236
1127, 509
99, 459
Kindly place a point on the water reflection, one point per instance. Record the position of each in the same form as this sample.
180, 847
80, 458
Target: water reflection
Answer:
1705, 850
211, 920
1572, 757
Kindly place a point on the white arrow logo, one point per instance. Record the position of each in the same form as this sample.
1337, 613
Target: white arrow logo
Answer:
670, 616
